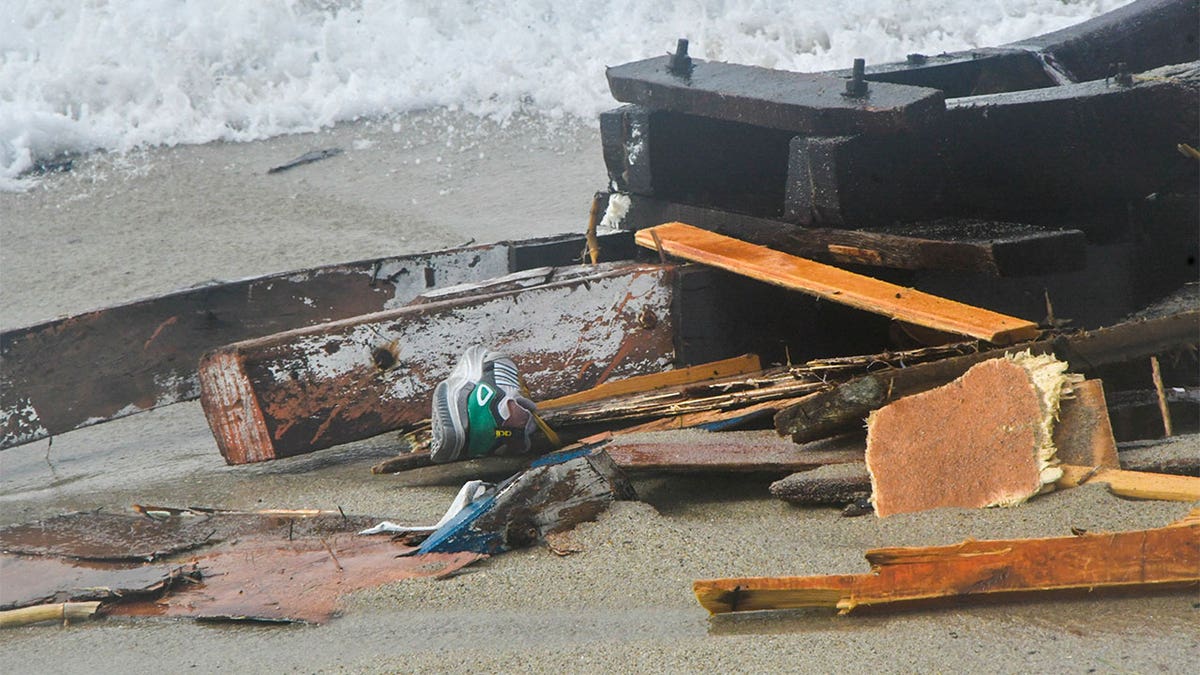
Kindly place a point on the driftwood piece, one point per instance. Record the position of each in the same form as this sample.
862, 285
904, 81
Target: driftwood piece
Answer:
304, 390
556, 493
1145, 560
1134, 484
61, 612
981, 440
845, 406
1083, 434
730, 451
836, 285
829, 485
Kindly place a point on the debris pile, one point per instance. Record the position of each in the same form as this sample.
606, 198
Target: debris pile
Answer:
979, 325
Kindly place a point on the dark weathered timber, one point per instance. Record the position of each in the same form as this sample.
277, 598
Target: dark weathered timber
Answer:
1077, 147
1142, 35
35, 580
564, 250
844, 407
979, 71
625, 142
313, 388
93, 367
951, 245
800, 102
556, 493
829, 485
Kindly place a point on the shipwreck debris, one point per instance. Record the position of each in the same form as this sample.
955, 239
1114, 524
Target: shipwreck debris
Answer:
1145, 560
984, 439
62, 612
305, 390
837, 285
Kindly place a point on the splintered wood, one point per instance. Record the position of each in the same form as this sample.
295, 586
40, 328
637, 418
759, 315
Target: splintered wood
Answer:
837, 285
1165, 557
982, 440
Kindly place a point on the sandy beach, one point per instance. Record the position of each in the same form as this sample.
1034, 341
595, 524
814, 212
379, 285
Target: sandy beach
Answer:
123, 227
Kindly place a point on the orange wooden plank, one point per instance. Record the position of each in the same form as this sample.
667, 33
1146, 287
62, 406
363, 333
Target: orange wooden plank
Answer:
1143, 559
832, 283
738, 365
1134, 484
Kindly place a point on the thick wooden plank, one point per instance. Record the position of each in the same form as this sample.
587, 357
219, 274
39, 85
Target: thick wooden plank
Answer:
953, 245
94, 367
1145, 560
738, 365
308, 389
1135, 484
846, 406
729, 451
801, 102
837, 285
1083, 433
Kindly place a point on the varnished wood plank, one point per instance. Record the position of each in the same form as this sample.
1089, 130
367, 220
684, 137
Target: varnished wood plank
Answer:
834, 284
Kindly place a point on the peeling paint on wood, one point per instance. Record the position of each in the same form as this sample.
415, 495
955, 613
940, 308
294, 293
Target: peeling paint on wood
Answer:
313, 388
94, 367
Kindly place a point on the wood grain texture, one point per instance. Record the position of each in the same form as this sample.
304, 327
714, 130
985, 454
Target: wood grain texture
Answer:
1134, 484
738, 365
1144, 559
836, 285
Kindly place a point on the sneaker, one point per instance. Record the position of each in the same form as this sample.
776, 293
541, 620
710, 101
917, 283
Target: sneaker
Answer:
479, 409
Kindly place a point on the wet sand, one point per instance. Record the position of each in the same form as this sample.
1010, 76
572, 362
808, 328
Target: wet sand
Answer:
120, 228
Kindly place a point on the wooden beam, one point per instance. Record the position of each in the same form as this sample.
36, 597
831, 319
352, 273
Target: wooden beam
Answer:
1083, 433
1140, 560
836, 285
696, 451
304, 390
953, 245
1134, 484
845, 406
738, 365
801, 102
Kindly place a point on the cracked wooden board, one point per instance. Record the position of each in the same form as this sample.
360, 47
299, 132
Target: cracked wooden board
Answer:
1145, 560
309, 389
834, 284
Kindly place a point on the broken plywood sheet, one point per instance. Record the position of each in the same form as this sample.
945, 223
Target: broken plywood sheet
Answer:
304, 390
1147, 560
270, 579
982, 440
834, 284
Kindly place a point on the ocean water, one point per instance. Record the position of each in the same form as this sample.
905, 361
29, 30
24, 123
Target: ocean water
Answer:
118, 75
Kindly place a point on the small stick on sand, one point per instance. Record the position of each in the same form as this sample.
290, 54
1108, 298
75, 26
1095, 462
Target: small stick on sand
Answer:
1156, 373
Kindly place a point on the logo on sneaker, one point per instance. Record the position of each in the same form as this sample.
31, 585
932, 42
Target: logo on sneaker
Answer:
483, 394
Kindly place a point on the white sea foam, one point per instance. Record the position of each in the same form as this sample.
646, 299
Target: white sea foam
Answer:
80, 75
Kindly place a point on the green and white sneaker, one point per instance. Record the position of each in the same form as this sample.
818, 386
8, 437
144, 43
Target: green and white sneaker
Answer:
479, 409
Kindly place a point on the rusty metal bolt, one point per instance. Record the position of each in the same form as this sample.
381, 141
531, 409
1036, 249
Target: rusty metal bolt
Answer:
856, 86
681, 63
1123, 77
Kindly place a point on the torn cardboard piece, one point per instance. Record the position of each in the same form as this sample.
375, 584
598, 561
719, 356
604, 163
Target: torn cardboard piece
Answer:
985, 439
